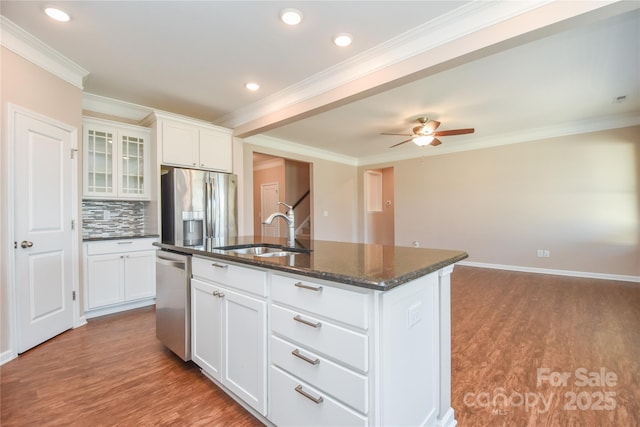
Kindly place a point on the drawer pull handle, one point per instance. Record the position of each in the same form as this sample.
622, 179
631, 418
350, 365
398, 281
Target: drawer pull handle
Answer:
218, 294
215, 264
315, 400
125, 243
297, 353
311, 288
297, 318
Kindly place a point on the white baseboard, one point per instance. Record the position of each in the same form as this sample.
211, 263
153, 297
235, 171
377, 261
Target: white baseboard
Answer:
117, 308
81, 322
586, 274
6, 356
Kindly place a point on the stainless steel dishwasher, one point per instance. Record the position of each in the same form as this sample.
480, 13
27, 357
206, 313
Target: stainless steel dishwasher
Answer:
173, 302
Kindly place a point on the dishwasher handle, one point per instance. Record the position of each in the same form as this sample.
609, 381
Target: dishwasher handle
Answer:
171, 262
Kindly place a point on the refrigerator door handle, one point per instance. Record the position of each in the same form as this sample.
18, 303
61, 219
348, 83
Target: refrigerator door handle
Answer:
207, 209
215, 208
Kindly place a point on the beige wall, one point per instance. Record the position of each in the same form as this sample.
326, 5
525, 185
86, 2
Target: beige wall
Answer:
576, 196
28, 86
333, 188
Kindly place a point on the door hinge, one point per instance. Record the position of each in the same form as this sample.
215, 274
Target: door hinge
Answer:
73, 152
73, 294
73, 224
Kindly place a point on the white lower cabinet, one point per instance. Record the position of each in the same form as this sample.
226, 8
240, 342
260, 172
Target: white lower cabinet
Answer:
295, 403
119, 274
229, 330
319, 353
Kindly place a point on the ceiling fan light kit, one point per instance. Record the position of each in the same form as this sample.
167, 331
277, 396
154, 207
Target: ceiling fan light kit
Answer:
425, 133
423, 140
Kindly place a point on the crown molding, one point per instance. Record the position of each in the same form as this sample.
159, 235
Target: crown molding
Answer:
24, 44
299, 149
466, 20
114, 107
528, 135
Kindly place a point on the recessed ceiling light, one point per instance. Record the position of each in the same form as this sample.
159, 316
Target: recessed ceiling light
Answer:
343, 39
57, 14
291, 16
252, 86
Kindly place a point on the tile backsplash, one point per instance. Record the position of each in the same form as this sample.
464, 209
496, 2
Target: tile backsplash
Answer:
109, 218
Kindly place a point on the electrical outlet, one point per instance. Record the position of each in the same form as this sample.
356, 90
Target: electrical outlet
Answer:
416, 243
543, 253
414, 314
106, 215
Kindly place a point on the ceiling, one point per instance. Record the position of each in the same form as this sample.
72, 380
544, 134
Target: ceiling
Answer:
193, 58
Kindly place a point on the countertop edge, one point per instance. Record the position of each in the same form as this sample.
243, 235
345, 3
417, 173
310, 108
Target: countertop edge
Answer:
334, 277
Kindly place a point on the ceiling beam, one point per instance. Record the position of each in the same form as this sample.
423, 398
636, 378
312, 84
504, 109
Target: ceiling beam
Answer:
474, 31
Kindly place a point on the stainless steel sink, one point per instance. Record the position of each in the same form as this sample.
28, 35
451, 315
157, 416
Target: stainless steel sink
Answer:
262, 251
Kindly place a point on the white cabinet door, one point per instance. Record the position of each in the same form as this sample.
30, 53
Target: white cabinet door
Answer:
179, 144
139, 274
215, 150
206, 328
134, 167
105, 275
99, 160
245, 338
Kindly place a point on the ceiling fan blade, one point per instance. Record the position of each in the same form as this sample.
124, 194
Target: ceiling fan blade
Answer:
435, 142
454, 132
400, 143
401, 134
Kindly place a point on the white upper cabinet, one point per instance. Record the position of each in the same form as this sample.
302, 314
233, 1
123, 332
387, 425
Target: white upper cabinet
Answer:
193, 144
116, 160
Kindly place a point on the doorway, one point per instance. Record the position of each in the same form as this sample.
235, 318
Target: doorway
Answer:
292, 179
379, 206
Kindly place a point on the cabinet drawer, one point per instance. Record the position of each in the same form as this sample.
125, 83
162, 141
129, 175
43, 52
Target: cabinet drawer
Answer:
342, 383
290, 407
350, 307
118, 246
339, 343
242, 278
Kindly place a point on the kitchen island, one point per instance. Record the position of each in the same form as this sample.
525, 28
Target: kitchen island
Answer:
325, 333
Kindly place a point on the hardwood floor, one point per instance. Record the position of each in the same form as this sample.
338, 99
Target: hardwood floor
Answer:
505, 325
112, 372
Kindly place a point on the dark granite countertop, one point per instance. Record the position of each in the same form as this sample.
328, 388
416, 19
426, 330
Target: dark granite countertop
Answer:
124, 237
370, 266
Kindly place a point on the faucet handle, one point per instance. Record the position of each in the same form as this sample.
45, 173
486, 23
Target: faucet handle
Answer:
284, 204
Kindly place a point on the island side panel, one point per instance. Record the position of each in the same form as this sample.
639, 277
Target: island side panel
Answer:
409, 353
446, 416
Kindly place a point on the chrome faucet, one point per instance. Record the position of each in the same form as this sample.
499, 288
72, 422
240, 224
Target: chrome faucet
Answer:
288, 218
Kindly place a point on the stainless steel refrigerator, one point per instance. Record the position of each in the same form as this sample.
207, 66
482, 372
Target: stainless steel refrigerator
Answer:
197, 205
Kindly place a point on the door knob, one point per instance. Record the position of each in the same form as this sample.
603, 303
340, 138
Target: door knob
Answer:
26, 244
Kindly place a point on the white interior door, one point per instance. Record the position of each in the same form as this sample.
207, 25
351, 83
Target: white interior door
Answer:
269, 196
42, 229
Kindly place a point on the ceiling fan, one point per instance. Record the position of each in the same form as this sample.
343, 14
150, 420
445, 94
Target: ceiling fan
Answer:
426, 133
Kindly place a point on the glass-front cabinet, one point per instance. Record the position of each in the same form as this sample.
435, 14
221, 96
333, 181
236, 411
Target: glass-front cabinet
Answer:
116, 160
